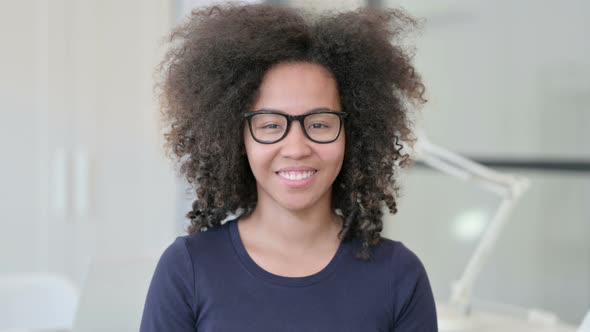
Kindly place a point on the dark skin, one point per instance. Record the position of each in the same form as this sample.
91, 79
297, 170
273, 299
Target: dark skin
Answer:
293, 230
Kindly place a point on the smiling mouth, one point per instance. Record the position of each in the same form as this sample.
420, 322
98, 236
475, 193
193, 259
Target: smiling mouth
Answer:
296, 176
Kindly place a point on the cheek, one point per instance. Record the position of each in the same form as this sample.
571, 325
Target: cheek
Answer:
259, 156
333, 155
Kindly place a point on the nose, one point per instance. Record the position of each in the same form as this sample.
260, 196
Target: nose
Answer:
296, 145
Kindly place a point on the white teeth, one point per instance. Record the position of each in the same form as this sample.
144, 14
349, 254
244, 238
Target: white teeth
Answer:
296, 175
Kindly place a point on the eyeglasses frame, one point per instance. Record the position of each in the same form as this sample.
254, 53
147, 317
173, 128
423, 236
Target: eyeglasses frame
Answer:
290, 118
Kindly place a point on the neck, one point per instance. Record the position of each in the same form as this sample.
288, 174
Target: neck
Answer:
297, 230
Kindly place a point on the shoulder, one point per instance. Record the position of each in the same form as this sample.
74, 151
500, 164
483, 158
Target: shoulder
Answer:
413, 301
405, 268
185, 250
185, 246
208, 240
176, 268
395, 253
398, 267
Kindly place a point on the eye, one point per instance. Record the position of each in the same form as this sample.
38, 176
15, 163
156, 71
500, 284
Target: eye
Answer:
317, 126
271, 126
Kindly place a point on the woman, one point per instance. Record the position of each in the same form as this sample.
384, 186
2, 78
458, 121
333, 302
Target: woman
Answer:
291, 122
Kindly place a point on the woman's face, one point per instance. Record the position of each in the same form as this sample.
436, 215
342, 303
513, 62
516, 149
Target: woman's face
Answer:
295, 172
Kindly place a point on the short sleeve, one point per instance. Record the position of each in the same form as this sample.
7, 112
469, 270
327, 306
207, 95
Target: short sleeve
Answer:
414, 302
170, 302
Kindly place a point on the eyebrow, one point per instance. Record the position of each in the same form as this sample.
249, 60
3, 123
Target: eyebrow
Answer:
309, 111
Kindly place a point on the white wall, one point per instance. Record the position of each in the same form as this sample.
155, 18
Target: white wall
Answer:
505, 79
22, 73
512, 76
77, 81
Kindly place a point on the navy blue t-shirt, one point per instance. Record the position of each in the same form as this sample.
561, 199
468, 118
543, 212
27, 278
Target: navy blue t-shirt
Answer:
207, 282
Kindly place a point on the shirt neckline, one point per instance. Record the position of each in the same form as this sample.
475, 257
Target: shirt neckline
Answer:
261, 273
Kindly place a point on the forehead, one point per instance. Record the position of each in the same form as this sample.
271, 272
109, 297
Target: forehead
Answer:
297, 88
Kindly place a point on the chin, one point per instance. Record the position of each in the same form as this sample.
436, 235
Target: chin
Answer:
297, 204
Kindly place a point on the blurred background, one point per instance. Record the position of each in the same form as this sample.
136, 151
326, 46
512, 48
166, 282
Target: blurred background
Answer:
88, 199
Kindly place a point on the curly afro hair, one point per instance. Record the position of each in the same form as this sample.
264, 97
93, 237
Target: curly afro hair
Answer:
215, 66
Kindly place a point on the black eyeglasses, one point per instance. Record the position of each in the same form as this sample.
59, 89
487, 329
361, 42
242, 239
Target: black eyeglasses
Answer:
320, 126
